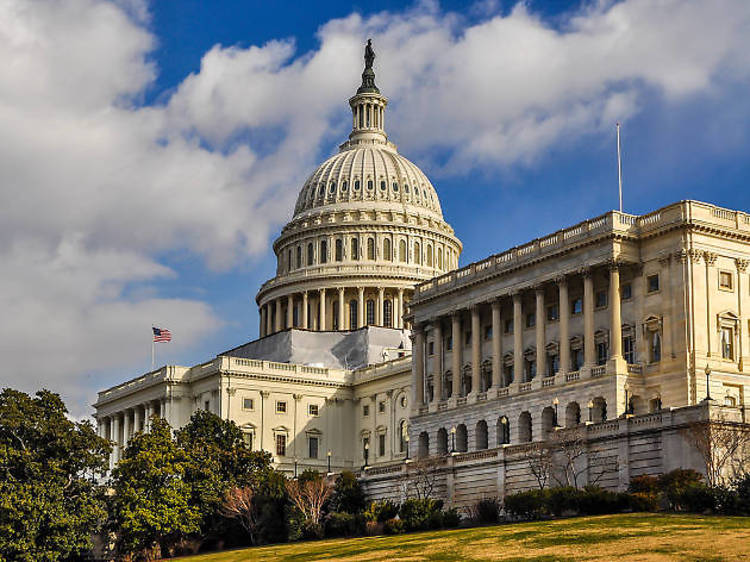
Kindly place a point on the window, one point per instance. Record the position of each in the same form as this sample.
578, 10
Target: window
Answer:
402, 436
280, 444
369, 185
323, 251
381, 406
553, 312
626, 291
508, 326
365, 410
725, 280
730, 401
488, 332
333, 187
355, 249
356, 185
312, 447
387, 255
601, 299
601, 353
381, 444
403, 401
248, 404
467, 337
335, 319
530, 320
299, 257
576, 306
529, 369
508, 373
553, 364
353, 314
313, 410
395, 186
247, 437
388, 313
370, 312
344, 185
628, 348
289, 260
280, 407
402, 251
429, 256
417, 254
449, 343
310, 254
652, 282
431, 348
370, 248
727, 343
207, 405
339, 250
382, 186
576, 359
655, 347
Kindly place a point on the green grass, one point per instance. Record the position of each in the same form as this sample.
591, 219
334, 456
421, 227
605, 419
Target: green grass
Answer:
637, 536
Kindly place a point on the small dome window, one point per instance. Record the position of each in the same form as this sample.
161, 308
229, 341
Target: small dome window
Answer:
321, 189
395, 186
382, 185
369, 184
333, 186
356, 185
406, 188
344, 185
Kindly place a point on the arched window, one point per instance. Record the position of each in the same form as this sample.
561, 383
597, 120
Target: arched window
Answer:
480, 436
355, 249
440, 258
402, 251
447, 385
598, 410
402, 429
442, 441
370, 248
339, 250
503, 431
424, 444
310, 256
572, 414
429, 255
299, 257
344, 185
525, 434
417, 254
370, 312
323, 251
382, 186
356, 185
548, 421
387, 255
289, 260
462, 438
388, 313
353, 314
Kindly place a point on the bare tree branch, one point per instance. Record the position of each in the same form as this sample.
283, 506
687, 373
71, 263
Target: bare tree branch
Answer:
238, 504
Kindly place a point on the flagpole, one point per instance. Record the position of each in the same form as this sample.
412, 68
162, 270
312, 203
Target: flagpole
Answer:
153, 351
619, 166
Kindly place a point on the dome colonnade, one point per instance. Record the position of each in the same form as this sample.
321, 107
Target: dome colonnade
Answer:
367, 227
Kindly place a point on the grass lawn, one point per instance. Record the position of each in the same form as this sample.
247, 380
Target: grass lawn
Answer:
637, 536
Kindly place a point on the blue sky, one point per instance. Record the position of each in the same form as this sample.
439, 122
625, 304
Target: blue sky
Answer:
159, 148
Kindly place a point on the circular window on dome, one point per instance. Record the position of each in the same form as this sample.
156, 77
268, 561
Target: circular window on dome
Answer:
333, 186
344, 185
369, 184
356, 185
382, 186
395, 186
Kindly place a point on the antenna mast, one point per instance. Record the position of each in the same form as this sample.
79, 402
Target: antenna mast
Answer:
619, 165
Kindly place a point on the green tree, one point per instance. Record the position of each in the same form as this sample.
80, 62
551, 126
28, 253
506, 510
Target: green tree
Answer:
348, 495
50, 504
151, 505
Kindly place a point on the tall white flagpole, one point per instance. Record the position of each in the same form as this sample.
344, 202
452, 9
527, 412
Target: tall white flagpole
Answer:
153, 351
619, 165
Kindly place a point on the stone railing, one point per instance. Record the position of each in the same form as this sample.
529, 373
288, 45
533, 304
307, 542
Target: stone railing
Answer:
475, 455
635, 369
572, 376
166, 373
524, 387
598, 371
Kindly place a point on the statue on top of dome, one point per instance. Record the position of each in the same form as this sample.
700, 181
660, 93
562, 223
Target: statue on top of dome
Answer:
368, 76
369, 54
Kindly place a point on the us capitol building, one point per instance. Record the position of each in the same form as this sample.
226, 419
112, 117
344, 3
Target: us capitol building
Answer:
375, 349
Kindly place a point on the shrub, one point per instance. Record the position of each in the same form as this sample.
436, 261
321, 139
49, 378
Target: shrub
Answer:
487, 510
742, 490
527, 505
596, 501
452, 518
312, 530
644, 484
417, 514
381, 511
373, 528
644, 501
696, 498
348, 496
339, 524
674, 483
393, 526
562, 499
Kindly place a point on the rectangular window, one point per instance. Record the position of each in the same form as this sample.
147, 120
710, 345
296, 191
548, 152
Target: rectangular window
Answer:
576, 359
652, 282
280, 407
248, 438
381, 444
601, 299
312, 447
553, 312
508, 372
467, 338
727, 343
725, 280
381, 406
508, 326
488, 332
280, 444
207, 405
576, 306
312, 410
628, 348
626, 291
248, 404
553, 364
449, 343
601, 353
530, 320
431, 348
366, 410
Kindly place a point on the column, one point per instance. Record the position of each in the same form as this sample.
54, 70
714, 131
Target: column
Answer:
418, 354
116, 438
125, 428
400, 323
497, 346
379, 311
456, 353
741, 288
668, 308
564, 313
589, 349
322, 303
517, 339
262, 327
360, 307
137, 420
269, 327
476, 350
290, 311
278, 315
437, 360
342, 317
147, 413
305, 319
615, 317
541, 343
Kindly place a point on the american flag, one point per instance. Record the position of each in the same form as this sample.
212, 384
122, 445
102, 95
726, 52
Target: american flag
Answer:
161, 334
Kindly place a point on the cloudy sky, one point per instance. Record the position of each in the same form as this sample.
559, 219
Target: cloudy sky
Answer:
149, 153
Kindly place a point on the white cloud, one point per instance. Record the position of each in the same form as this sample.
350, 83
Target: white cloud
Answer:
95, 186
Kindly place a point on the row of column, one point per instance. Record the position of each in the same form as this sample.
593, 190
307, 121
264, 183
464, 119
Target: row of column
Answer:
272, 317
129, 422
615, 347
368, 116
